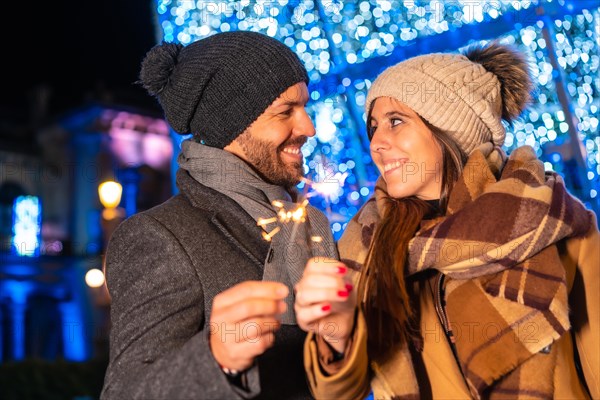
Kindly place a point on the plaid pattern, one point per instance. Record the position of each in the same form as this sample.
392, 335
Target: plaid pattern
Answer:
505, 281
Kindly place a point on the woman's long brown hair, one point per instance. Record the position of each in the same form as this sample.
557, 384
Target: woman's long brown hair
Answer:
382, 286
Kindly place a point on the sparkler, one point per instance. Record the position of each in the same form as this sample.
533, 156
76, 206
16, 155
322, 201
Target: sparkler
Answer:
327, 188
297, 215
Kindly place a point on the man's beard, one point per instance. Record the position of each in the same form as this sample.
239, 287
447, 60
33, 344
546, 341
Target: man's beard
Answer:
264, 156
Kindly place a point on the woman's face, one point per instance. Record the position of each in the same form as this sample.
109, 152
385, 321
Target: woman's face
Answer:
404, 150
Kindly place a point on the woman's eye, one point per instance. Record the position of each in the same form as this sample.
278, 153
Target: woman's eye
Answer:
396, 121
371, 132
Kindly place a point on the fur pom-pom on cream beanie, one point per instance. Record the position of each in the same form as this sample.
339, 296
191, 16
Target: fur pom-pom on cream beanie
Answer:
465, 95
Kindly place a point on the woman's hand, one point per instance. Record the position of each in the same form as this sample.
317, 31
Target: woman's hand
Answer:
325, 301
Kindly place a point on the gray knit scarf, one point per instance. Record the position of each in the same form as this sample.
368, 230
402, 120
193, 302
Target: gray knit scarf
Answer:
292, 246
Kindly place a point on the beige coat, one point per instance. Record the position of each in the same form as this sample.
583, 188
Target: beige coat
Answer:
440, 376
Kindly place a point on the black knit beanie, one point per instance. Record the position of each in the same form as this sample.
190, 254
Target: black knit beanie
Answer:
216, 87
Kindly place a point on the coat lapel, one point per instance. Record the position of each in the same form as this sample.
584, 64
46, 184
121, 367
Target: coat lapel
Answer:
227, 216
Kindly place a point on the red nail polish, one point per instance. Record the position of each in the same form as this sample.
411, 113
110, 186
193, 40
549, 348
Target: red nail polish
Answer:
342, 270
343, 293
349, 287
326, 307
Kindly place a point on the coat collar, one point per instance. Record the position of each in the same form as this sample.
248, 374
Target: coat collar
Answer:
228, 216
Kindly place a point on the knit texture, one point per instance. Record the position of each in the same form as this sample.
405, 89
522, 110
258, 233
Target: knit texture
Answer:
504, 273
216, 87
457, 94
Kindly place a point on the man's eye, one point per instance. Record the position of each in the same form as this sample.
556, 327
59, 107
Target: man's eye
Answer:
287, 112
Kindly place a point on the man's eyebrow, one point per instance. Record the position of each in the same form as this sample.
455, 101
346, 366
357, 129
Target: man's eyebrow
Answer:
290, 103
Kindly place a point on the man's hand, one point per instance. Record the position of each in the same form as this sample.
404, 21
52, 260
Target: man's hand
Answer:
243, 322
325, 301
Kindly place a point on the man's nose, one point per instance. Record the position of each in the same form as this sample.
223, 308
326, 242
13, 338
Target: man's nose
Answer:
304, 126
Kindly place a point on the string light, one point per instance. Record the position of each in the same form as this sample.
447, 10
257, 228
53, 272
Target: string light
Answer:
330, 35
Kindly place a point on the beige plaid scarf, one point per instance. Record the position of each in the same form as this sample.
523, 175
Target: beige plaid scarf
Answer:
504, 278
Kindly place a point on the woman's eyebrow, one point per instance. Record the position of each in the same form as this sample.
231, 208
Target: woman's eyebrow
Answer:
396, 113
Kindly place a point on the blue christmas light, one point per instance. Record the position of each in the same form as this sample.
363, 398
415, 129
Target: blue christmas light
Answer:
27, 221
344, 44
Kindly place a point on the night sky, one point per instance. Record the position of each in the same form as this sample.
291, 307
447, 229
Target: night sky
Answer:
80, 51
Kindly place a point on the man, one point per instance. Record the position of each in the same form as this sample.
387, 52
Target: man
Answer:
202, 304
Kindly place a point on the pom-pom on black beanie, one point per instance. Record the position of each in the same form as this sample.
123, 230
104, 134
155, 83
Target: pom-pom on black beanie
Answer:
216, 87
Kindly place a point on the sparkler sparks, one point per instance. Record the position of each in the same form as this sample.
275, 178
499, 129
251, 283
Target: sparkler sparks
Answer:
269, 236
327, 188
297, 215
265, 221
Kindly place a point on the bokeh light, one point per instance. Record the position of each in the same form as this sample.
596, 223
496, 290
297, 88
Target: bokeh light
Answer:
345, 44
94, 278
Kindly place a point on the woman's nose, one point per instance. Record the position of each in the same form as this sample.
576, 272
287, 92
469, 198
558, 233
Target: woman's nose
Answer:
378, 142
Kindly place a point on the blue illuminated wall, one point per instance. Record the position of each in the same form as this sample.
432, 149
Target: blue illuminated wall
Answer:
346, 44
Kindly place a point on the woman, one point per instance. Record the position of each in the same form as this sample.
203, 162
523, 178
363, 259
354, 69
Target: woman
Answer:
477, 273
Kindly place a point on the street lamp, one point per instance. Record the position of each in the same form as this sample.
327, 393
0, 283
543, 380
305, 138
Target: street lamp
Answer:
112, 215
110, 197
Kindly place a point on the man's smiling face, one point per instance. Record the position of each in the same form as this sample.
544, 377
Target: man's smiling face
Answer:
272, 143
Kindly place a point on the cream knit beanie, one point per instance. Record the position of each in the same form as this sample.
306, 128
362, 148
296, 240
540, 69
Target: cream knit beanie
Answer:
465, 95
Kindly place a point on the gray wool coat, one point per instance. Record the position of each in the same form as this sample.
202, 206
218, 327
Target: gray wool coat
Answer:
164, 266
